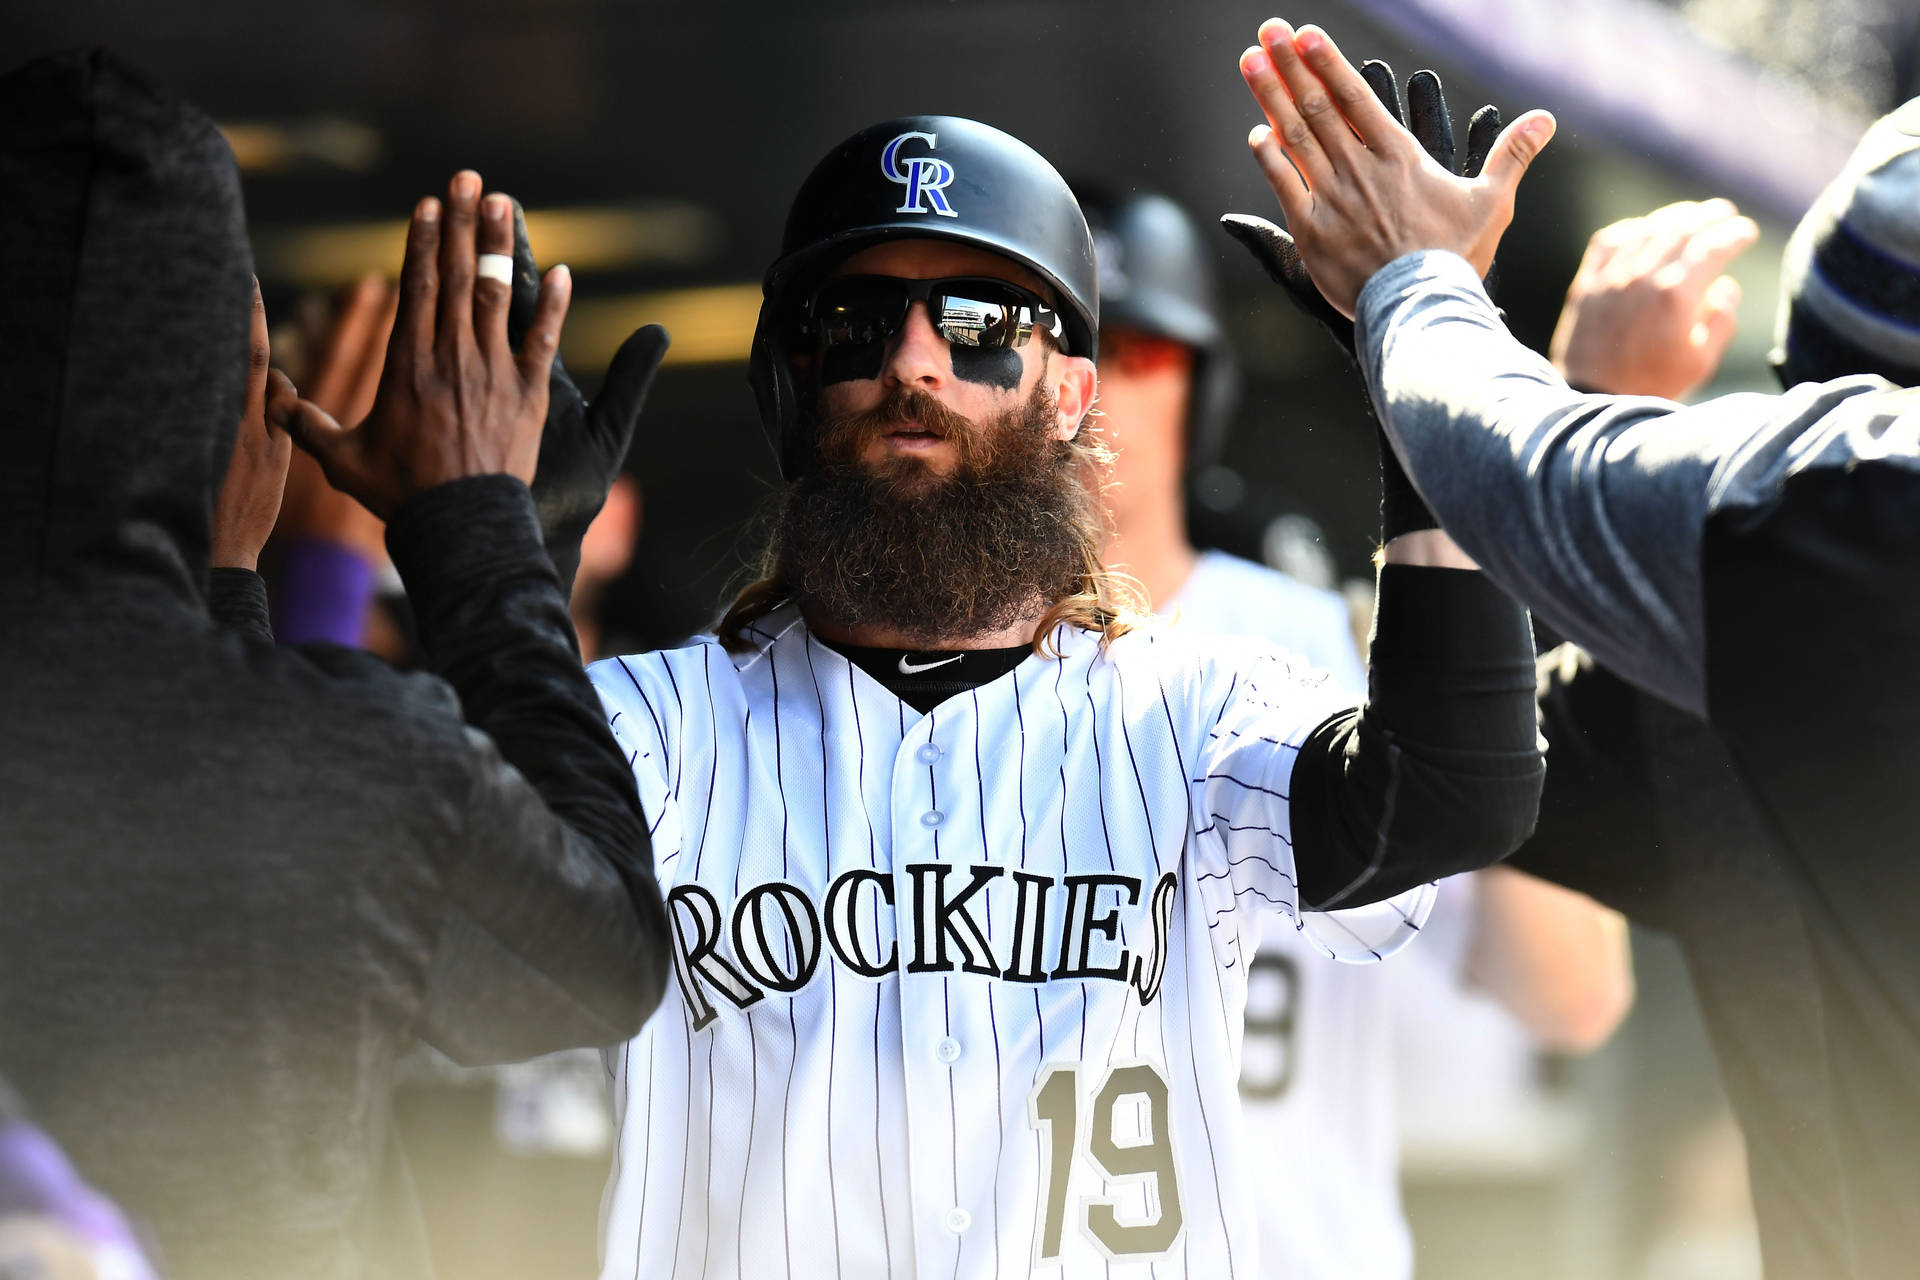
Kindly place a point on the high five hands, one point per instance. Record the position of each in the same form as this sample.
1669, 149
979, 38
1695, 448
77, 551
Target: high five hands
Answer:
455, 398
1357, 188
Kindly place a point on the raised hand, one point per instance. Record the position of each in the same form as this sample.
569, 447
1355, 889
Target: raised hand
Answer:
1649, 312
1357, 188
454, 400
584, 445
256, 476
1424, 111
351, 352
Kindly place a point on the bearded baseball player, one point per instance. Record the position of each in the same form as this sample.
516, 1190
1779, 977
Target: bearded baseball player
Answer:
966, 857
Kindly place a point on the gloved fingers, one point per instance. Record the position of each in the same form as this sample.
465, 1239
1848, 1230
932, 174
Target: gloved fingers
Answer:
542, 341
629, 378
1514, 149
526, 280
1428, 118
1379, 76
1275, 251
1481, 131
491, 296
1270, 246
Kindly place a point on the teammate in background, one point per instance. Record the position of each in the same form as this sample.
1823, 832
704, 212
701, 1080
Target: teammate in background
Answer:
1322, 1088
1168, 387
965, 858
1752, 560
328, 551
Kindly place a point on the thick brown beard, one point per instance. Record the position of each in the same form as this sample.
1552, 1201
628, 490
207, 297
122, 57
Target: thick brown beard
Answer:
1007, 532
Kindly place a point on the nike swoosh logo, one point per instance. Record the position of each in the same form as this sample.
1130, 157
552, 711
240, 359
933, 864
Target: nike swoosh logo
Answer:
915, 668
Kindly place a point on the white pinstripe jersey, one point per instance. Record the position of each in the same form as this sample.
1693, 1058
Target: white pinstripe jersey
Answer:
1317, 1058
958, 994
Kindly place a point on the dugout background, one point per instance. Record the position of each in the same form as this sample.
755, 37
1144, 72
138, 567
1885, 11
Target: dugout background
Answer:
669, 137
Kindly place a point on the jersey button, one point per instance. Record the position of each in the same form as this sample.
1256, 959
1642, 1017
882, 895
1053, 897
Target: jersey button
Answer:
958, 1219
932, 818
928, 753
948, 1051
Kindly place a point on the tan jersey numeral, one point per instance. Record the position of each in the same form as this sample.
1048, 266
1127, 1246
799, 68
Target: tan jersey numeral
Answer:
1054, 1108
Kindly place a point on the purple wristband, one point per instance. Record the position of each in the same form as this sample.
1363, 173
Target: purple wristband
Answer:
322, 591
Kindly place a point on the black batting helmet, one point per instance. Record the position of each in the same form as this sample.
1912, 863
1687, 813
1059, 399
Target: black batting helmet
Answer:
1157, 276
932, 177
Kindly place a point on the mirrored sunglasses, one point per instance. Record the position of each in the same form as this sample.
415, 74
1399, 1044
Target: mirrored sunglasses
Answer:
968, 311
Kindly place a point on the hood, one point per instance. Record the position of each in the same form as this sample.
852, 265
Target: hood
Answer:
123, 329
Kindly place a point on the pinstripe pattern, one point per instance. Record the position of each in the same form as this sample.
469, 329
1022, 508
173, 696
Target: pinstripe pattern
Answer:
1065, 794
1318, 1050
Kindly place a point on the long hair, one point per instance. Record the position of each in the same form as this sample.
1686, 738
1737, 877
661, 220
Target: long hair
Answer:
1102, 600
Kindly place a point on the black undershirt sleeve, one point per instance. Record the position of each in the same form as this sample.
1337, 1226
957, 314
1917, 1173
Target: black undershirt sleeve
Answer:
1599, 829
1440, 770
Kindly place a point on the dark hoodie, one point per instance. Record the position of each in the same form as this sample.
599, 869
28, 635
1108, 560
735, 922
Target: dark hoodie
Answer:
236, 881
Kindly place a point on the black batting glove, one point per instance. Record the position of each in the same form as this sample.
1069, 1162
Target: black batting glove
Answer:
1423, 112
584, 444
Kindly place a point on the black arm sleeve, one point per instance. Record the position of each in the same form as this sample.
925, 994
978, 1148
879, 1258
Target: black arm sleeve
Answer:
1599, 829
237, 600
1440, 771
492, 621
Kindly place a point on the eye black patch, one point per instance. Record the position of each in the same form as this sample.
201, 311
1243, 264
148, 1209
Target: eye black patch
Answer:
851, 363
991, 366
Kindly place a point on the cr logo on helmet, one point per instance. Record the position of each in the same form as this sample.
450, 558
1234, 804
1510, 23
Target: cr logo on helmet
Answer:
925, 178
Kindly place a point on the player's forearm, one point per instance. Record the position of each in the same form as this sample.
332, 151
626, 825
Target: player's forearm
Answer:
1440, 772
1510, 458
493, 622
1555, 959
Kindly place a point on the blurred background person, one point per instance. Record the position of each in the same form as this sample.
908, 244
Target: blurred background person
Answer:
1323, 1041
328, 553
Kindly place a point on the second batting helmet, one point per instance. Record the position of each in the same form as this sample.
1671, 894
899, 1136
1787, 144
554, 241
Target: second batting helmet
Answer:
1157, 276
932, 177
